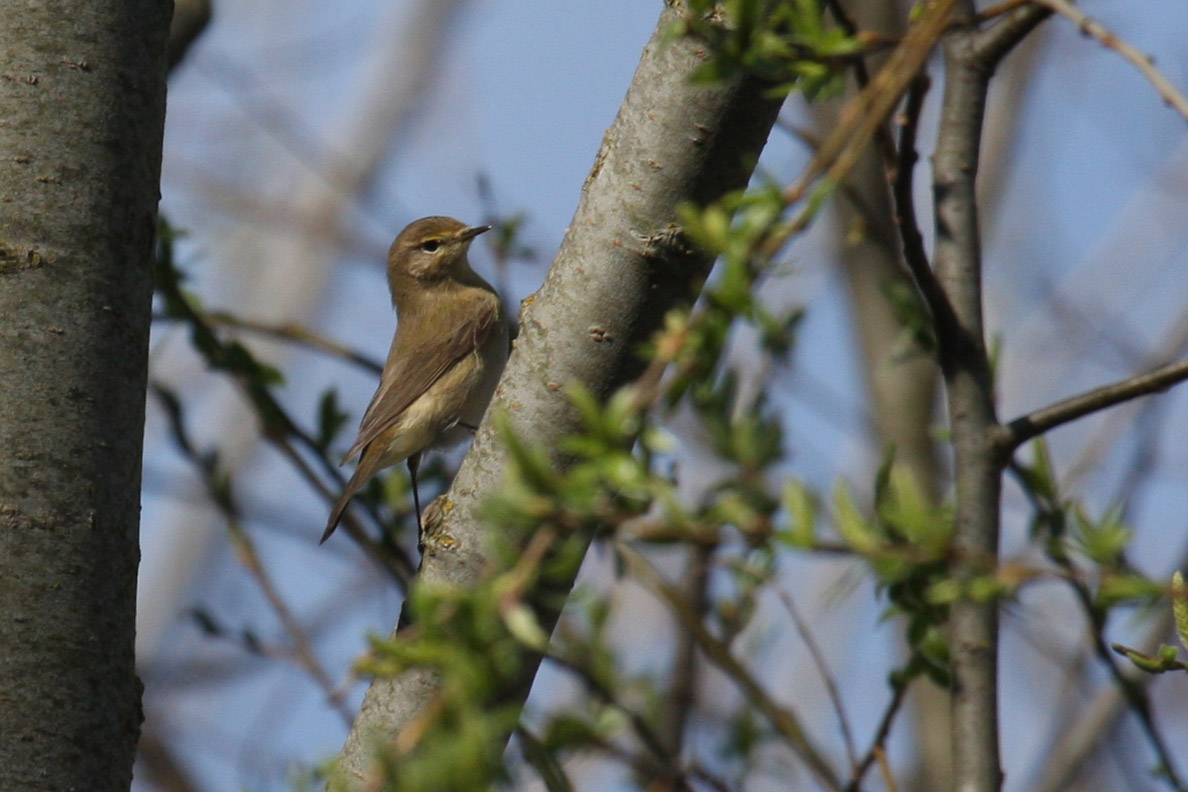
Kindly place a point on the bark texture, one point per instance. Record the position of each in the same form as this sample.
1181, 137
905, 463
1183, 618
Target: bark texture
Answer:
971, 57
621, 266
82, 101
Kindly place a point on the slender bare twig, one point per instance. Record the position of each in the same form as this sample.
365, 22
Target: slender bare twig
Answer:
902, 181
880, 737
665, 762
1141, 61
223, 497
302, 648
682, 685
786, 722
866, 112
298, 335
1026, 427
822, 667
999, 9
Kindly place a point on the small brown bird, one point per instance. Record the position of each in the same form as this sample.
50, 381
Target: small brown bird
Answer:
450, 347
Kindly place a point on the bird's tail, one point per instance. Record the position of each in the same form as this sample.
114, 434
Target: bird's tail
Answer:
336, 515
363, 472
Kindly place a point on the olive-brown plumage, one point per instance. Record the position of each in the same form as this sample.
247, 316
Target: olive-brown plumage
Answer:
450, 346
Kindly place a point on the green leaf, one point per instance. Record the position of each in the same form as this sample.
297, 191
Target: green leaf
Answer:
522, 623
802, 509
331, 419
1179, 598
1103, 541
1164, 660
531, 464
544, 761
1039, 476
855, 531
1116, 589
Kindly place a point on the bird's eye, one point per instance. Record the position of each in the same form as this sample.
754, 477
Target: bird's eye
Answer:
430, 245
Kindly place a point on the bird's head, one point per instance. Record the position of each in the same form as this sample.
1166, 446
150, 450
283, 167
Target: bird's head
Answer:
432, 249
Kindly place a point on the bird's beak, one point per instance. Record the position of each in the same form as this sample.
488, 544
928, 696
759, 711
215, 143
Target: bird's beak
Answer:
467, 234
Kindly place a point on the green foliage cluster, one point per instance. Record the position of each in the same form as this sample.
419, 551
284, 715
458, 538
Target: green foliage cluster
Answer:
1165, 658
785, 42
1090, 552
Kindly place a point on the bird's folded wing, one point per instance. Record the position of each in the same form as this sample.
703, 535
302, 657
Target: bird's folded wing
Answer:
414, 370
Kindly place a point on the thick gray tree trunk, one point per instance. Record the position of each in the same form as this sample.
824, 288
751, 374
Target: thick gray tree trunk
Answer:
82, 102
620, 268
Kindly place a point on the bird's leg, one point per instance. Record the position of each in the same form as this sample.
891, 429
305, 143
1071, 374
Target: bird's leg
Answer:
414, 462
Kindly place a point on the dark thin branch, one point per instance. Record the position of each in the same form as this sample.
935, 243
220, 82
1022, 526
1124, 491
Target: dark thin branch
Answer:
863, 115
992, 44
1024, 428
296, 334
880, 737
1094, 722
874, 228
682, 685
785, 722
665, 762
882, 138
1134, 693
823, 669
850, 28
222, 496
536, 754
902, 181
302, 648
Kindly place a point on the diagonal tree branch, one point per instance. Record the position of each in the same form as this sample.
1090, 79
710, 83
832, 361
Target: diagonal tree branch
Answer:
1141, 61
621, 267
1026, 427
